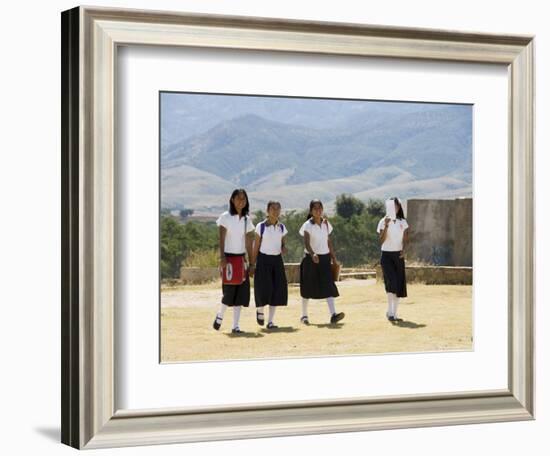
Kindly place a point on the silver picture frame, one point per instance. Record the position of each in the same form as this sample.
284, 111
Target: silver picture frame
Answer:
90, 39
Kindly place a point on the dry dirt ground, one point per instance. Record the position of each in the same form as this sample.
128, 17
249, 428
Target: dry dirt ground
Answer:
435, 318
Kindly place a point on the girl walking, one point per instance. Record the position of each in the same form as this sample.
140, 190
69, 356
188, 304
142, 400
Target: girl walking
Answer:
235, 241
316, 280
270, 284
394, 235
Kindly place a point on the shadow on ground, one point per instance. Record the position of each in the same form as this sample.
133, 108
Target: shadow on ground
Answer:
280, 329
245, 334
328, 325
408, 324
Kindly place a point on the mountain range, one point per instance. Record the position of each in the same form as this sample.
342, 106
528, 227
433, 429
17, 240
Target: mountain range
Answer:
301, 150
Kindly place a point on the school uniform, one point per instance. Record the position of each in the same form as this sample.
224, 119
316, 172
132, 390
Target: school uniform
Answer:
393, 267
235, 245
270, 284
316, 280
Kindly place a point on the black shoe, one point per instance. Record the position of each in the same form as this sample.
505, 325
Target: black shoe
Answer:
392, 319
397, 319
271, 326
216, 325
337, 317
304, 320
260, 321
236, 331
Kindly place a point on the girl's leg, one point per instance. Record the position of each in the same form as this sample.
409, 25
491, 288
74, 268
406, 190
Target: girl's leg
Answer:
219, 316
260, 315
331, 306
271, 314
222, 310
305, 301
395, 304
389, 312
236, 316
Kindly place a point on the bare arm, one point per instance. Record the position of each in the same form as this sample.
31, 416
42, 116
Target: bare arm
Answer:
405, 242
331, 250
384, 232
307, 243
222, 232
256, 250
249, 240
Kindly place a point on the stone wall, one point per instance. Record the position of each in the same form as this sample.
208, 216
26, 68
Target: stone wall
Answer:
440, 231
435, 275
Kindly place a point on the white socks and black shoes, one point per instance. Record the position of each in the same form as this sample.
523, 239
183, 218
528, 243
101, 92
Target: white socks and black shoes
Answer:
260, 317
217, 322
336, 317
393, 303
219, 317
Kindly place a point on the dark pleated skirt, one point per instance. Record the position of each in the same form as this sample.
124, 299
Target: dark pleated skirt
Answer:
316, 279
393, 269
270, 285
236, 295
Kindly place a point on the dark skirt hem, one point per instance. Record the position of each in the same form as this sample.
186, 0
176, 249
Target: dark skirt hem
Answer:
270, 284
316, 279
393, 269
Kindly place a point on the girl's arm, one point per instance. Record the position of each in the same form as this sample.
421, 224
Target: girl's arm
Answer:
314, 257
255, 251
384, 232
223, 261
283, 246
249, 240
331, 250
405, 242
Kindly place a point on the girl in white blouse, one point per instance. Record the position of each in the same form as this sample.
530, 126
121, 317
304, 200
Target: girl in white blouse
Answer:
393, 239
235, 241
270, 284
316, 280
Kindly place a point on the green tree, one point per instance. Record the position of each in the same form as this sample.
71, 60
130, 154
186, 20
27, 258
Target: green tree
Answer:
348, 205
293, 220
178, 240
258, 216
376, 208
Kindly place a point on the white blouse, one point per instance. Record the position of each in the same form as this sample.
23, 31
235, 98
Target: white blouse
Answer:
234, 236
394, 235
318, 236
272, 239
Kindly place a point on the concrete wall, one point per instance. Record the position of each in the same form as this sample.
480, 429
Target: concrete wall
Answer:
440, 231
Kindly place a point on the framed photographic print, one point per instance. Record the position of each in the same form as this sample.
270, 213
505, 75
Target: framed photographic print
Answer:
269, 224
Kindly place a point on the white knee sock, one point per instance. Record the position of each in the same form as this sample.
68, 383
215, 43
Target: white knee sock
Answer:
236, 316
221, 312
260, 312
331, 306
304, 307
389, 313
271, 313
395, 304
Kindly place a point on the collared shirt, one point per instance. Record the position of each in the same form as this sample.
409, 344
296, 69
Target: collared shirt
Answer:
235, 228
394, 235
272, 239
318, 236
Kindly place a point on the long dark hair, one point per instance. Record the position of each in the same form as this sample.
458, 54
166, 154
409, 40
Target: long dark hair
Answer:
232, 209
400, 215
311, 204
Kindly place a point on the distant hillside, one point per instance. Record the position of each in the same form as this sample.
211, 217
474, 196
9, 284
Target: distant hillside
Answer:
420, 151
